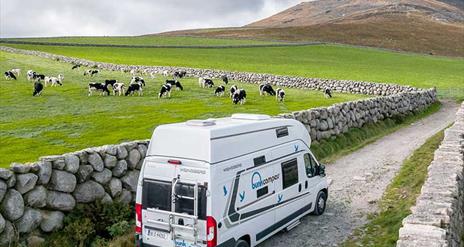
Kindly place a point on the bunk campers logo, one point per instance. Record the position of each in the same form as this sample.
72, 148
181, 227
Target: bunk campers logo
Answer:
257, 181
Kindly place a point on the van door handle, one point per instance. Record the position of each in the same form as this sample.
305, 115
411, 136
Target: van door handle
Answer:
299, 188
306, 184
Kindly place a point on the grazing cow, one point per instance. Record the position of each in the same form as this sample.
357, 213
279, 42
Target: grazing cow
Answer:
232, 90
38, 88
165, 90
9, 75
280, 95
91, 72
225, 79
16, 72
118, 88
209, 83
111, 82
30, 75
54, 80
100, 87
136, 80
136, 87
39, 77
328, 92
180, 74
175, 83
220, 91
76, 66
239, 96
266, 89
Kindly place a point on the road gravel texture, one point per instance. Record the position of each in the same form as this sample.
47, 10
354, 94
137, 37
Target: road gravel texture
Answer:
358, 181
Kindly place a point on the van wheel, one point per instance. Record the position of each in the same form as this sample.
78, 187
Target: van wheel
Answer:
320, 203
242, 243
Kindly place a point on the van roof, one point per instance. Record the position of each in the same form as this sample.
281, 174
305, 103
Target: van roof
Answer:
215, 140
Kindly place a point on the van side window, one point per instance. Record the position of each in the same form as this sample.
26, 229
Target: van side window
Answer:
289, 173
310, 165
262, 192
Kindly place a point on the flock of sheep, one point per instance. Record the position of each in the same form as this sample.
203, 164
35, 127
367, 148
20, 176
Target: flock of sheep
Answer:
137, 83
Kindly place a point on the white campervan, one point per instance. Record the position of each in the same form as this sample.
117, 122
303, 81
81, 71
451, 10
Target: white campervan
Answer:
227, 182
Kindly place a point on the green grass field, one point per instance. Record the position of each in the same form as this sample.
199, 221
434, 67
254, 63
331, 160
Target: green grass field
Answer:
148, 40
322, 61
65, 119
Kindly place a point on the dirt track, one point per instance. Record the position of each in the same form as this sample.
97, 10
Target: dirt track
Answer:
358, 182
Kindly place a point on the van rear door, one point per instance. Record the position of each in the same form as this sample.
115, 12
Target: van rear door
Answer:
174, 207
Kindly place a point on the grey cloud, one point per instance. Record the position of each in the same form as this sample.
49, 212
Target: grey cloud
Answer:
27, 18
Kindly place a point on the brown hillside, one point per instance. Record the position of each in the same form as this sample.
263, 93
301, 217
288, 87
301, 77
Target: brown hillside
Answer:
421, 26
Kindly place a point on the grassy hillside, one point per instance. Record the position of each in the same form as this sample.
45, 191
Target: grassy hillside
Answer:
66, 119
323, 61
147, 40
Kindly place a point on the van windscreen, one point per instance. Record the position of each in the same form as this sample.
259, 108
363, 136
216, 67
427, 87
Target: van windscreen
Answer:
156, 194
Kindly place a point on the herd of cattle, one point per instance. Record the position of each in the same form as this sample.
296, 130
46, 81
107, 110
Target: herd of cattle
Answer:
137, 83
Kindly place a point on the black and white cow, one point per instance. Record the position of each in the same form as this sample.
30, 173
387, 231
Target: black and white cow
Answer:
220, 91
100, 87
91, 72
280, 94
232, 90
30, 75
209, 83
119, 88
165, 90
9, 75
136, 87
239, 96
16, 72
266, 89
180, 74
111, 82
137, 80
54, 80
38, 77
328, 92
175, 83
225, 79
76, 66
38, 88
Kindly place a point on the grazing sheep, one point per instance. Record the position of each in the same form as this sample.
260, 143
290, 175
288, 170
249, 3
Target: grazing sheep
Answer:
133, 72
239, 96
220, 91
38, 88
266, 89
118, 88
165, 73
328, 92
152, 74
280, 95
9, 75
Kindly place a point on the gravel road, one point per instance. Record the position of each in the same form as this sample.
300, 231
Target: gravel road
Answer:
358, 181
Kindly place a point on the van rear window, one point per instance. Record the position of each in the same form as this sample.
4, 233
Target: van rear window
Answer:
156, 194
185, 205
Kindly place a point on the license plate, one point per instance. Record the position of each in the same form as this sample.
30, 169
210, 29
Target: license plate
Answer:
156, 234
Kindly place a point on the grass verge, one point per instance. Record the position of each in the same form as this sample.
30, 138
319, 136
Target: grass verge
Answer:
329, 150
400, 196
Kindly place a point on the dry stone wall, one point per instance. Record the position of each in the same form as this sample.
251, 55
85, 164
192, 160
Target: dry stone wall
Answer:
346, 86
437, 219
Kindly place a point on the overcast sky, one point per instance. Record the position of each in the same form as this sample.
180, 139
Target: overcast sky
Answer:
33, 18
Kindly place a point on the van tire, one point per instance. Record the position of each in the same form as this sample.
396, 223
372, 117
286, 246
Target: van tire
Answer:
242, 243
321, 202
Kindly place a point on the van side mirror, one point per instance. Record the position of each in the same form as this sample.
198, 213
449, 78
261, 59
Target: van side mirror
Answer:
322, 170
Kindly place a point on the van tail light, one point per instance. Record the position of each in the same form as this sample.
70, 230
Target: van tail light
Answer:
175, 162
211, 232
138, 218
